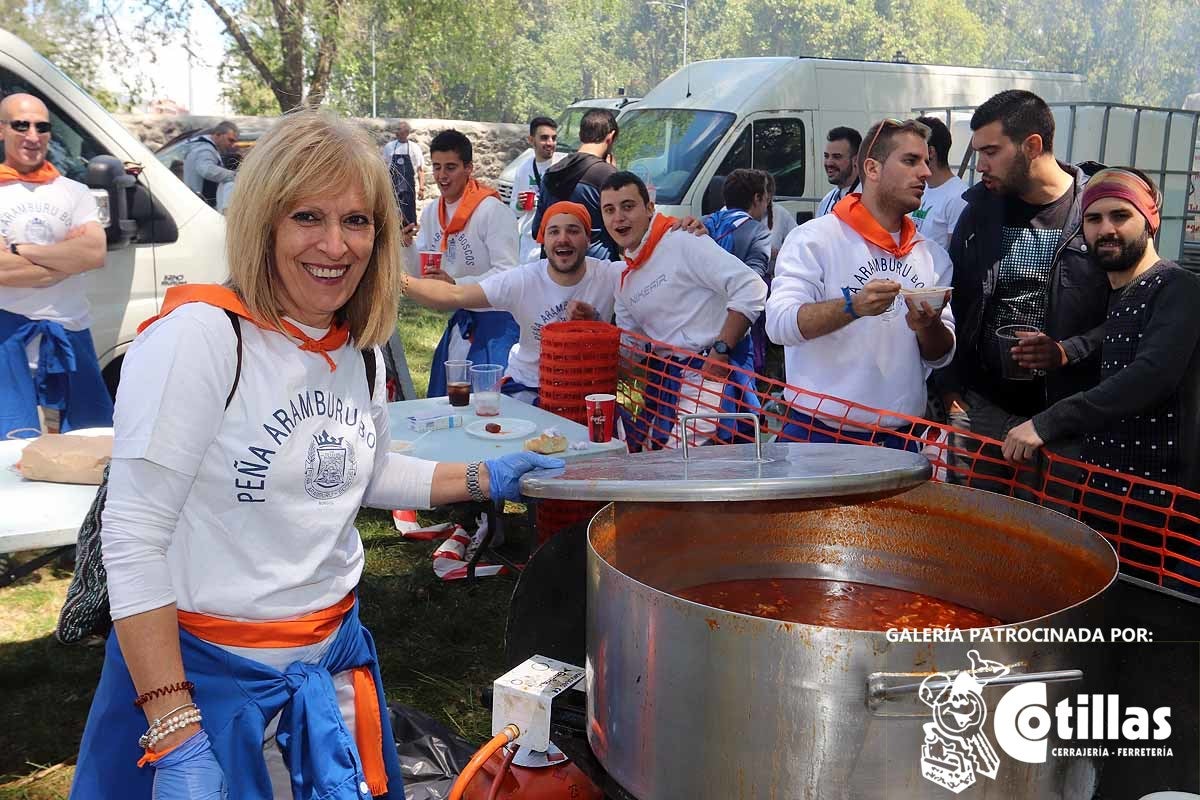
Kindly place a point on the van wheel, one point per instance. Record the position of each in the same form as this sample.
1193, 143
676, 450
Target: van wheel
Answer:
112, 376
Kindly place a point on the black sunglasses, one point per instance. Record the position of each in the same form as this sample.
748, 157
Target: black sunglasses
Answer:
22, 125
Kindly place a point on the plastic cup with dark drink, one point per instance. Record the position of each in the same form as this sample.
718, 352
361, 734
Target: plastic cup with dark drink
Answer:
430, 260
601, 408
458, 382
485, 382
1010, 336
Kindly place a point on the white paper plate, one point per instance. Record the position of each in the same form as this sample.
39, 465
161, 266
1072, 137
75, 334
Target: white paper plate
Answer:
510, 428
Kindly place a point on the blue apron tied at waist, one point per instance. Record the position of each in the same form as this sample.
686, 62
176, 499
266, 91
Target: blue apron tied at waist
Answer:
238, 698
491, 335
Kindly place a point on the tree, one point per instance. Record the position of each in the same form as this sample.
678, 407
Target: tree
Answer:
65, 32
291, 45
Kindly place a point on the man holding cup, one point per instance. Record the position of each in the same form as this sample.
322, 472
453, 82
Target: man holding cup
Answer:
566, 284
1030, 302
543, 138
859, 304
464, 237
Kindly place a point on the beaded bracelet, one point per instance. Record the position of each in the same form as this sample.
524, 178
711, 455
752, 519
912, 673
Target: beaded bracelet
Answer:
164, 726
163, 691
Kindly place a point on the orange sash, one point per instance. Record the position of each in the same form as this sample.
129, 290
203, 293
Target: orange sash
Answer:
43, 174
225, 298
658, 228
308, 630
472, 196
850, 210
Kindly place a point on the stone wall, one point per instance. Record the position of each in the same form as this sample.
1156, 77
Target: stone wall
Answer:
494, 143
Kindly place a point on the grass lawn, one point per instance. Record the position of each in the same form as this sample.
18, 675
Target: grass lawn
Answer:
439, 643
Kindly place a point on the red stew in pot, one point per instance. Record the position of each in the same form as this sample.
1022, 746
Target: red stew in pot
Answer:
836, 604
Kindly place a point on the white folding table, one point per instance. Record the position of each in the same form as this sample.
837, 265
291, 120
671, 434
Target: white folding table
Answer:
35, 515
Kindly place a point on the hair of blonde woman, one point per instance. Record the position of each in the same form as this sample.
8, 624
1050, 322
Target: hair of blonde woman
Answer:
308, 154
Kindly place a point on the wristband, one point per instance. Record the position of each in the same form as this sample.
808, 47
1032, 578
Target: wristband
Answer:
12, 248
849, 307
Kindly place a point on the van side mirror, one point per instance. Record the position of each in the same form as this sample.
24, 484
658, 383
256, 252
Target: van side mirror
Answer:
110, 185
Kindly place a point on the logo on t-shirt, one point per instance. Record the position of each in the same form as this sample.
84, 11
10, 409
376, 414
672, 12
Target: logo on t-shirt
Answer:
330, 467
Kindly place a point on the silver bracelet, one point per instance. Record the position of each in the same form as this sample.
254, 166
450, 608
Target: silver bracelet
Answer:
473, 487
175, 719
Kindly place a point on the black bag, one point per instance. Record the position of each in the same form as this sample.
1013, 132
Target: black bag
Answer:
85, 610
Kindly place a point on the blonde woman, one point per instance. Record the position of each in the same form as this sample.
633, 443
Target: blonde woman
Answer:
250, 428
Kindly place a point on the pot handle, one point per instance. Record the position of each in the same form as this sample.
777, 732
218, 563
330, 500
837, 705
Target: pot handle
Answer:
879, 692
684, 418
877, 689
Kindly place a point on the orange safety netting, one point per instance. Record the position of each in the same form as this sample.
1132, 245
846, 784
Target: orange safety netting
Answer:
1154, 527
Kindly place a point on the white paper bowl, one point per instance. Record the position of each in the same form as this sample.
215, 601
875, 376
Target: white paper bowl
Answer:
934, 297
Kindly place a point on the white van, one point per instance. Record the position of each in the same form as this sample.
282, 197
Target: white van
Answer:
160, 234
712, 117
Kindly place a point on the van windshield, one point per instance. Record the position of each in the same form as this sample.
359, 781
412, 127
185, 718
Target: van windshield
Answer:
666, 147
568, 129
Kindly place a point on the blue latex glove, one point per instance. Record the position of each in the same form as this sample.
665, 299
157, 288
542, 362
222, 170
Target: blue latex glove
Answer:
504, 473
189, 772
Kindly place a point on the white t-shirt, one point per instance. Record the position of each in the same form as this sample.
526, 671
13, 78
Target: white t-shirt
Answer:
264, 528
939, 211
681, 295
524, 180
33, 213
414, 153
535, 300
833, 197
785, 223
527, 248
873, 361
487, 245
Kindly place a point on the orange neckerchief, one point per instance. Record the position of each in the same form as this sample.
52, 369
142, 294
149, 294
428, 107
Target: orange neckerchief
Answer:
43, 174
301, 632
658, 228
850, 210
227, 299
472, 196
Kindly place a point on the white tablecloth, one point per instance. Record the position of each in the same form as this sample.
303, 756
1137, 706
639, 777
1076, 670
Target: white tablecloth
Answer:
33, 514
456, 445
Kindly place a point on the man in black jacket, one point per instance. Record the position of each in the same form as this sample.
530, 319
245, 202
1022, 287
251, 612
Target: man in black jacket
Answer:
1021, 269
578, 178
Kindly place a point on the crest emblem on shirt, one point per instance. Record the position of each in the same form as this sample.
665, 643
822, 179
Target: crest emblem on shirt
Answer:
38, 231
330, 467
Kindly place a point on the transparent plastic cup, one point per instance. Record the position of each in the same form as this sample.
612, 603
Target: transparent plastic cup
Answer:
458, 382
1010, 336
485, 383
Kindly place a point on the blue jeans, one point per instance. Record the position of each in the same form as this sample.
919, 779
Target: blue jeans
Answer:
797, 430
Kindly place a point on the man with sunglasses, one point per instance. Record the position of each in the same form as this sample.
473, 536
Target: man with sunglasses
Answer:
52, 235
835, 303
1021, 264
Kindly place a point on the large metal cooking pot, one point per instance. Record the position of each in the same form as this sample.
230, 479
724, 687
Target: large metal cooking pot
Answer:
686, 700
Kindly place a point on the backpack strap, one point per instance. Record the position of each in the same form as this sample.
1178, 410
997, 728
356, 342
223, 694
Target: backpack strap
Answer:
368, 357
237, 376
